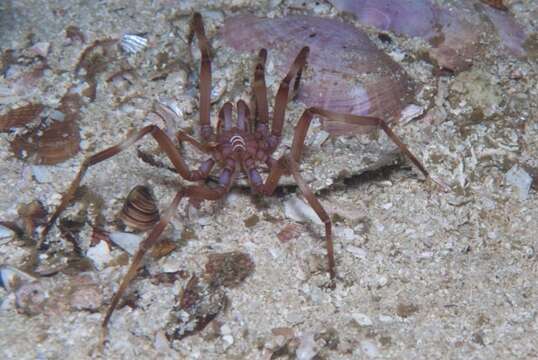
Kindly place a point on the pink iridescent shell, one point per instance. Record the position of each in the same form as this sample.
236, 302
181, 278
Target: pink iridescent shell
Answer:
347, 72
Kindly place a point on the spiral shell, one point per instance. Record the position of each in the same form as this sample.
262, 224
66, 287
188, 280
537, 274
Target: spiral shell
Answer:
140, 210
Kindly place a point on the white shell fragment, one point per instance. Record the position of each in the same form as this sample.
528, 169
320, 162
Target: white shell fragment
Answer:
6, 234
99, 254
133, 44
296, 209
410, 112
12, 278
520, 179
127, 241
306, 349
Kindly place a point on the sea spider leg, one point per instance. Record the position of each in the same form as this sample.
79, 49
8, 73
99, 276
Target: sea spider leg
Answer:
353, 122
259, 90
283, 95
289, 163
162, 139
308, 194
197, 28
225, 118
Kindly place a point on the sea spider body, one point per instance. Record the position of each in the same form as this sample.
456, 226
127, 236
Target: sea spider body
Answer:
245, 145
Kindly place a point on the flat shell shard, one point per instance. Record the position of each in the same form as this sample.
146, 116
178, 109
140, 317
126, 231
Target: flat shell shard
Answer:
21, 116
140, 210
199, 304
347, 72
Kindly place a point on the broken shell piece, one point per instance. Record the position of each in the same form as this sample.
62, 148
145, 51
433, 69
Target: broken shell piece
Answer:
99, 254
53, 141
140, 210
12, 278
127, 241
410, 112
133, 44
200, 303
20, 116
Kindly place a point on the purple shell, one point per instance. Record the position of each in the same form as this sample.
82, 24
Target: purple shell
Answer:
348, 73
454, 30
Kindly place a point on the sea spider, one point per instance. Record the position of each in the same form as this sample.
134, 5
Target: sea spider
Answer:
234, 148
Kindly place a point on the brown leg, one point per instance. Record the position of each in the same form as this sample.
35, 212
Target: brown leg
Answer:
260, 93
225, 117
243, 114
352, 122
162, 139
197, 28
283, 94
316, 205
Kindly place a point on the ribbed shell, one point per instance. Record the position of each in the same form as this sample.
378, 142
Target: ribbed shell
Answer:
55, 139
347, 72
20, 116
140, 210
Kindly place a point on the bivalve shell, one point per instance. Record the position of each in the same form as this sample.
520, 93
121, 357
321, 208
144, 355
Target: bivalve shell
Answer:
20, 116
347, 72
140, 210
55, 139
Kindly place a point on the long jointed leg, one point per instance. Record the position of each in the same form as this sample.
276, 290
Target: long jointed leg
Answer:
283, 94
316, 205
197, 28
354, 121
162, 139
260, 93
